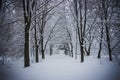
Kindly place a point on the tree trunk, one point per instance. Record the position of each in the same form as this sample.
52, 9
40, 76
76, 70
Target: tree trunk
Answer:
36, 45
71, 49
76, 47
37, 56
42, 49
81, 32
27, 22
88, 52
50, 50
82, 52
41, 40
108, 43
105, 9
100, 46
42, 46
42, 31
26, 48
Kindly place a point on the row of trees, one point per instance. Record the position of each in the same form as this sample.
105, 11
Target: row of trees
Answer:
46, 24
96, 25
32, 23
97, 20
37, 15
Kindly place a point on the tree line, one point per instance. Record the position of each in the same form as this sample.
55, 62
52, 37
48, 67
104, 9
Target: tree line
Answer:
78, 26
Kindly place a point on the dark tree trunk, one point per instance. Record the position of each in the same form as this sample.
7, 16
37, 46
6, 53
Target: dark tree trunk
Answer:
42, 46
42, 31
27, 22
82, 29
100, 46
42, 49
26, 49
43, 55
37, 56
71, 49
105, 9
41, 41
79, 29
50, 50
82, 52
108, 44
36, 45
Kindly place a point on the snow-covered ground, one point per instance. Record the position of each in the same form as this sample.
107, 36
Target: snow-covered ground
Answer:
61, 67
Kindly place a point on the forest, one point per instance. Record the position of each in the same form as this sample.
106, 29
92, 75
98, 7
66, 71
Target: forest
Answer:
57, 33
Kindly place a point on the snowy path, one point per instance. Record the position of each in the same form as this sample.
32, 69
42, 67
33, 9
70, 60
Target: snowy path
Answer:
61, 67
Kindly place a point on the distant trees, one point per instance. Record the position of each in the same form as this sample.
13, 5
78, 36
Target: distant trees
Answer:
44, 19
69, 43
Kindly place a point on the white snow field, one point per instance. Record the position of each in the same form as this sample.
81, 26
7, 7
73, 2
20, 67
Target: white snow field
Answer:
61, 67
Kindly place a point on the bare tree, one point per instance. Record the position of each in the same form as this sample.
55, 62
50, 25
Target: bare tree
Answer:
35, 35
81, 26
27, 23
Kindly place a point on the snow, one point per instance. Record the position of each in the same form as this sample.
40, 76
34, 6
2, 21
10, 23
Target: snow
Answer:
62, 67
